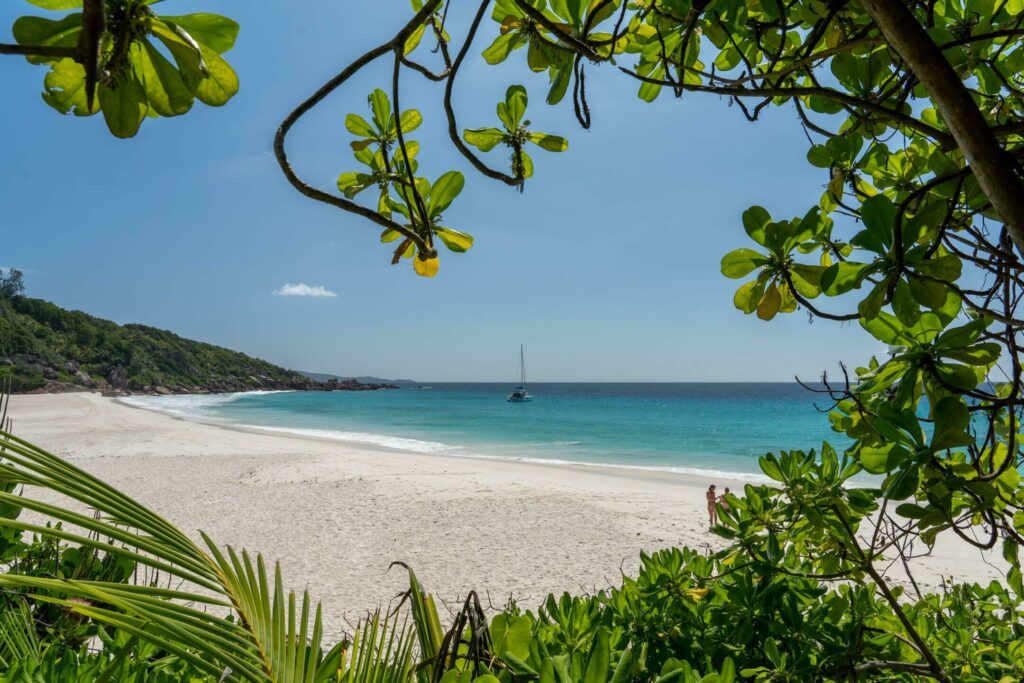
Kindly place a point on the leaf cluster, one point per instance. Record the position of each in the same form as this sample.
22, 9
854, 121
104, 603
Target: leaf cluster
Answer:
130, 63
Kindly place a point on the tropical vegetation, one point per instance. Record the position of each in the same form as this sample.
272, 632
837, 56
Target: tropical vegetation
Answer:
913, 113
42, 345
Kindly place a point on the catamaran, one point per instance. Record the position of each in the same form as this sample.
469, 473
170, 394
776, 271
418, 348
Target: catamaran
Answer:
519, 394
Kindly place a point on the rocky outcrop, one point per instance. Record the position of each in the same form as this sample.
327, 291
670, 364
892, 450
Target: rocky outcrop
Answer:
118, 378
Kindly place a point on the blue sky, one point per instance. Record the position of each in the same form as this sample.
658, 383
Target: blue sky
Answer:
606, 268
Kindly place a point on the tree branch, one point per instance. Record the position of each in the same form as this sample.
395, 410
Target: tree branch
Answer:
993, 168
804, 91
38, 50
326, 89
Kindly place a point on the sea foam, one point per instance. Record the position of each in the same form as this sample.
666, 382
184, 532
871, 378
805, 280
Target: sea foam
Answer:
188, 405
395, 442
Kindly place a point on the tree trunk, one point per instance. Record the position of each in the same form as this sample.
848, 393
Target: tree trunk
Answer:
988, 160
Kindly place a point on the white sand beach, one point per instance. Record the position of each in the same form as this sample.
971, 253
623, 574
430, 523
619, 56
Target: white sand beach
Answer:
336, 515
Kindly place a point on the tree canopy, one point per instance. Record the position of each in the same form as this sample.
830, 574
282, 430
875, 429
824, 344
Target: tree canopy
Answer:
12, 283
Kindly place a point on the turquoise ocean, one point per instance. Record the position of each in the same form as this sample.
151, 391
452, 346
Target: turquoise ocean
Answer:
715, 429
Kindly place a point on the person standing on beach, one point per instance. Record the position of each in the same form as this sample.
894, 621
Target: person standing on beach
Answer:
722, 499
712, 511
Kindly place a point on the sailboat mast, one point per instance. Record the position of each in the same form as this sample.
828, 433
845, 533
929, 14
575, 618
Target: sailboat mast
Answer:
522, 367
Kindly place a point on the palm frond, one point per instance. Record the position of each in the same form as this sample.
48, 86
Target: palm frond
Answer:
228, 616
18, 638
380, 652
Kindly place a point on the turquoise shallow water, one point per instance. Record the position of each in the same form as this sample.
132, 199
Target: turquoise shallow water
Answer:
702, 428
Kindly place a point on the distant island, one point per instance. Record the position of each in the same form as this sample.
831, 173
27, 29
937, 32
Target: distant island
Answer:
366, 379
45, 348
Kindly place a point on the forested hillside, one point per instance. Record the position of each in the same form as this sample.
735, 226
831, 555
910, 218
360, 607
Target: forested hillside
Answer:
45, 347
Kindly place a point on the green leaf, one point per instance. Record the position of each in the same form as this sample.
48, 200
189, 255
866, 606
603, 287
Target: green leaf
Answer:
165, 90
220, 85
357, 125
501, 48
879, 215
649, 91
444, 191
979, 354
560, 77
741, 262
770, 466
819, 156
962, 336
748, 296
904, 305
454, 240
124, 108
47, 32
806, 279
510, 112
729, 58
56, 4
551, 143
64, 89
410, 120
842, 277
903, 484
870, 306
770, 303
412, 148
927, 293
547, 671
413, 41
771, 651
389, 235
947, 267
187, 53
884, 327
527, 164
881, 459
511, 634
1010, 554
599, 662
352, 183
485, 139
755, 221
212, 30
537, 56
516, 101
911, 511
204, 72
951, 421
380, 105
574, 10
960, 377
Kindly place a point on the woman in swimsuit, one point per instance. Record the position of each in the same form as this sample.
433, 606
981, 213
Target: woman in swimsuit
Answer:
712, 499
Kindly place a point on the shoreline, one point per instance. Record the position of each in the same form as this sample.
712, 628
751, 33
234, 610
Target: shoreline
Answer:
336, 514
704, 476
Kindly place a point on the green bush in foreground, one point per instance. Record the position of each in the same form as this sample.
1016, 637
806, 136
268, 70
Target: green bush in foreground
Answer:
124, 595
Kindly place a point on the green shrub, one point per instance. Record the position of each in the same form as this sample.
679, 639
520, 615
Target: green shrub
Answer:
21, 377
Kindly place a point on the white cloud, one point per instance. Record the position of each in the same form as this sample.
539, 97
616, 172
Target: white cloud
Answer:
302, 289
